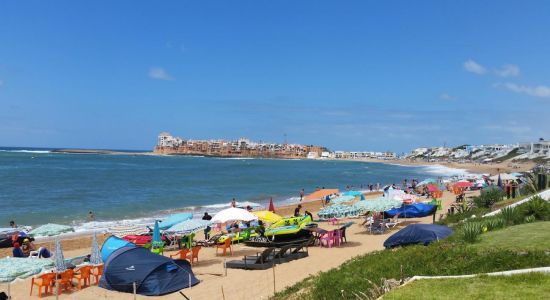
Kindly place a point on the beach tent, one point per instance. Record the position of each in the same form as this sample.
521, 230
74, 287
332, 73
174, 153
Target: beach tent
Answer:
153, 274
415, 210
112, 244
174, 219
418, 234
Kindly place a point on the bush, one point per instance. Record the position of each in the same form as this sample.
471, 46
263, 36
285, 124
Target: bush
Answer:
457, 217
530, 219
511, 215
471, 231
492, 223
489, 196
536, 207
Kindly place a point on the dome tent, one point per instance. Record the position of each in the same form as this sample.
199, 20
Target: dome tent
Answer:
153, 274
418, 234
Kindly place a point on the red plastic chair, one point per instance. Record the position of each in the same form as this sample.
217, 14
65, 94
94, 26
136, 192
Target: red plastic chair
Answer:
337, 237
195, 254
182, 254
83, 276
225, 246
328, 238
97, 271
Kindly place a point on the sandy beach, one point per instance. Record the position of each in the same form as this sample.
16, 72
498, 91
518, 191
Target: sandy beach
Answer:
480, 168
240, 284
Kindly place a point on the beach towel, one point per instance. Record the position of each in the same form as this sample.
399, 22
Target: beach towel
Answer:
12, 267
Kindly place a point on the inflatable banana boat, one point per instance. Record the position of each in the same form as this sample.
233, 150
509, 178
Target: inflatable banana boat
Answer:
290, 229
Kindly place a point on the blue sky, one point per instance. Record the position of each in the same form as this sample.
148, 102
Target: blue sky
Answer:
354, 75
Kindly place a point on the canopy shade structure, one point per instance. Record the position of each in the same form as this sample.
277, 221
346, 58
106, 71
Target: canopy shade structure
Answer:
189, 226
418, 234
174, 219
233, 214
321, 194
267, 216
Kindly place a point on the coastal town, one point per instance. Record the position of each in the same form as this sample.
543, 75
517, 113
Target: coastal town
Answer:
537, 151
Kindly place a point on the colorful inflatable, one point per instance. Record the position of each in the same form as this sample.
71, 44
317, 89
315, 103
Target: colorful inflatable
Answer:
290, 228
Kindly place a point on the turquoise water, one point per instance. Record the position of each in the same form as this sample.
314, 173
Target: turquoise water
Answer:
41, 187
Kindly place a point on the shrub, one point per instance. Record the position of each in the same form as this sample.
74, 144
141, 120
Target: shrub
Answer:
530, 219
536, 207
511, 215
489, 196
492, 223
471, 231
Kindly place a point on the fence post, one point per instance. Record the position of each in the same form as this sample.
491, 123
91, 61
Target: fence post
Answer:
225, 267
134, 285
9, 291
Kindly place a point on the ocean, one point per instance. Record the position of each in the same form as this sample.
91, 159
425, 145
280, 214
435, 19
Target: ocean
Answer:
39, 187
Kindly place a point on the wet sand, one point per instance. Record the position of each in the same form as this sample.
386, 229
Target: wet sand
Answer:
241, 284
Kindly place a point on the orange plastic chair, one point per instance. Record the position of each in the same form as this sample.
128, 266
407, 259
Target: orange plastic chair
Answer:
65, 280
224, 246
182, 254
83, 276
195, 254
97, 271
45, 280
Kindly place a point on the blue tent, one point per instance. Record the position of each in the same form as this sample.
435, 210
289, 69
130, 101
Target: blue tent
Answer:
153, 274
112, 244
418, 234
416, 210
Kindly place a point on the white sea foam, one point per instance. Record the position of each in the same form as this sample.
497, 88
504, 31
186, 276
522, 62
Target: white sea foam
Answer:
26, 151
440, 170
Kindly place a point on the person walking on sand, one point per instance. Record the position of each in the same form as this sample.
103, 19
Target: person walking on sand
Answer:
301, 194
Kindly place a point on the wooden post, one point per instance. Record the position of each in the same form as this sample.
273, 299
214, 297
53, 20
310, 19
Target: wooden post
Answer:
134, 285
223, 294
225, 267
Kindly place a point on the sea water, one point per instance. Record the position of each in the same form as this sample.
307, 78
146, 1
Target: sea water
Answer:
39, 187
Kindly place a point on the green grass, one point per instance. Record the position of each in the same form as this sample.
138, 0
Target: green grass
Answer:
524, 286
361, 274
531, 236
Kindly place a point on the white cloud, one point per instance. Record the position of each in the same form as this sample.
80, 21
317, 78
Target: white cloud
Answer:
507, 71
160, 74
535, 91
445, 96
474, 67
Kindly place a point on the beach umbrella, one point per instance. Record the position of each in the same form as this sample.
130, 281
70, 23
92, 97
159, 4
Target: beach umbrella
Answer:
59, 259
427, 181
124, 230
463, 184
95, 257
433, 188
271, 206
233, 214
189, 226
156, 233
267, 216
174, 219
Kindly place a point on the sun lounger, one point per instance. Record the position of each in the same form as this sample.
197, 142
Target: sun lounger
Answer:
261, 261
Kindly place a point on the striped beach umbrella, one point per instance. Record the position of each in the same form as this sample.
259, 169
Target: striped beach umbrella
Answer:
59, 259
95, 257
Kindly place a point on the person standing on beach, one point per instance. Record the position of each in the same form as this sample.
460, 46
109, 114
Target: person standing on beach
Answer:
207, 217
301, 194
297, 210
233, 203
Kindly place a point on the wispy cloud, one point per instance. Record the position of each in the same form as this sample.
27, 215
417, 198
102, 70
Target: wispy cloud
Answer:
474, 67
445, 96
159, 74
508, 71
541, 91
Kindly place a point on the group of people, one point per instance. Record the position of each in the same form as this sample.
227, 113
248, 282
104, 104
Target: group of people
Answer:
24, 247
